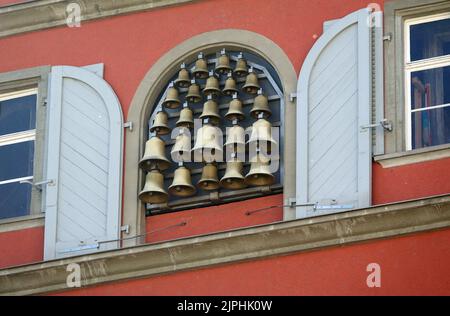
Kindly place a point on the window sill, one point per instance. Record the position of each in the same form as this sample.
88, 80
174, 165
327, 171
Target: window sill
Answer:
413, 156
22, 222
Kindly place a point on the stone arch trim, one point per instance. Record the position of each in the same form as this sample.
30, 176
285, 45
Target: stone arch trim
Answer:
155, 80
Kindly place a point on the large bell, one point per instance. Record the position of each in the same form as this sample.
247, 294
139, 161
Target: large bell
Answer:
235, 139
233, 178
259, 173
260, 105
208, 144
160, 126
211, 111
183, 80
230, 86
212, 86
193, 95
251, 85
261, 136
182, 183
240, 69
186, 118
235, 110
153, 191
223, 63
181, 150
209, 180
154, 155
171, 101
201, 68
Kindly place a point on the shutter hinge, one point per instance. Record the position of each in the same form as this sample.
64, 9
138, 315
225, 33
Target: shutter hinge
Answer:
387, 37
38, 185
292, 96
125, 229
386, 124
128, 125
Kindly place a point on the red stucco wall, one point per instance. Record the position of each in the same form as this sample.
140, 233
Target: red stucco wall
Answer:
412, 265
129, 45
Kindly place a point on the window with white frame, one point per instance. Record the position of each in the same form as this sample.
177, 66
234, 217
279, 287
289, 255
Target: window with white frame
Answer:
427, 76
17, 143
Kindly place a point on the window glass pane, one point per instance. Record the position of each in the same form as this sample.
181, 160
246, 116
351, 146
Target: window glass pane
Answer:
430, 87
14, 200
430, 127
430, 39
17, 114
16, 160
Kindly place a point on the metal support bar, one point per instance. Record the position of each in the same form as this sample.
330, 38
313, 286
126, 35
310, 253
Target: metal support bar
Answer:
385, 124
38, 185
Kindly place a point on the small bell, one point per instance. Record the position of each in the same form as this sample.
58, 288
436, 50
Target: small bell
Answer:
230, 86
235, 110
186, 117
154, 155
181, 150
211, 111
260, 105
259, 173
251, 85
208, 144
209, 180
241, 67
182, 183
153, 191
212, 86
223, 63
193, 95
261, 135
233, 178
183, 80
201, 68
171, 101
235, 138
160, 126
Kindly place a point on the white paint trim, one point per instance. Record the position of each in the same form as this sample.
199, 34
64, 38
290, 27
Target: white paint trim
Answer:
115, 154
360, 17
97, 69
18, 94
18, 137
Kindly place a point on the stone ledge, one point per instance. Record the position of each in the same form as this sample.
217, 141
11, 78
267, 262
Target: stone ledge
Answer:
38, 15
234, 246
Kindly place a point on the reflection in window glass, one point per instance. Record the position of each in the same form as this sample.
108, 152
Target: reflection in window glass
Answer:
16, 160
430, 127
15, 200
430, 39
430, 87
18, 114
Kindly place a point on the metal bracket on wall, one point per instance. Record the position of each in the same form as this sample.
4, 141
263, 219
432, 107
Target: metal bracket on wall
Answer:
387, 125
128, 125
292, 96
125, 229
38, 185
387, 37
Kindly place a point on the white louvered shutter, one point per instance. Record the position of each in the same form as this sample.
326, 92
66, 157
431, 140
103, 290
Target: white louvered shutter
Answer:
335, 98
84, 154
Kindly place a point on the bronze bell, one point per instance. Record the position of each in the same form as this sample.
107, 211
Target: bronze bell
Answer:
160, 126
201, 68
260, 105
209, 180
154, 155
181, 150
211, 111
208, 144
251, 85
186, 118
171, 101
235, 110
261, 135
183, 80
212, 86
233, 178
223, 63
230, 86
240, 69
182, 183
193, 95
259, 173
235, 138
153, 191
